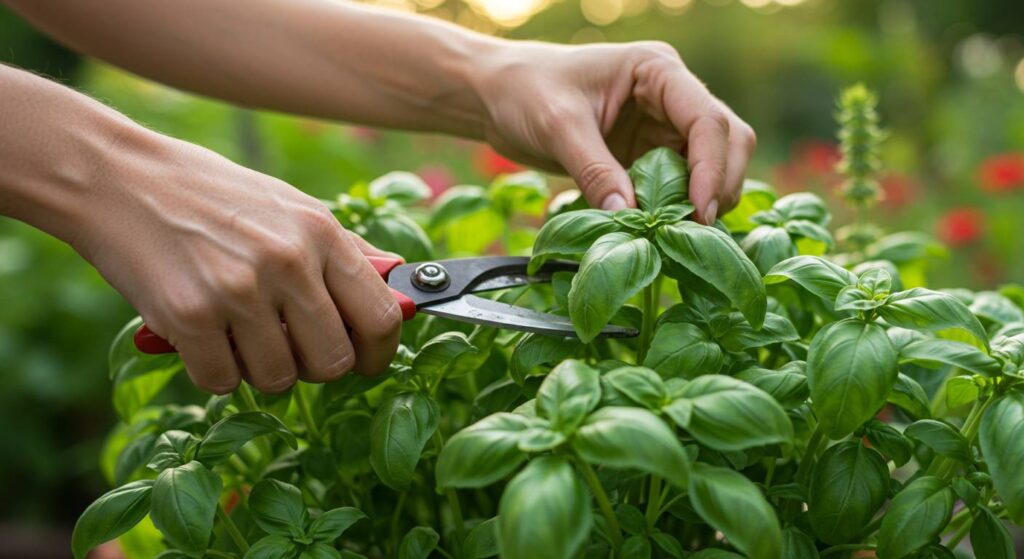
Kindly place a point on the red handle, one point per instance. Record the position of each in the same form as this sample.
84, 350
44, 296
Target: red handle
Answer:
149, 342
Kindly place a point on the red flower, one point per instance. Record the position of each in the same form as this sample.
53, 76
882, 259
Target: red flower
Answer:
897, 191
437, 177
818, 156
491, 164
961, 226
1001, 173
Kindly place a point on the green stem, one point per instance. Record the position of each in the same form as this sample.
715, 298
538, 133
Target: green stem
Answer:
453, 502
232, 529
769, 473
961, 532
871, 527
307, 414
395, 517
653, 501
803, 470
602, 503
942, 466
847, 547
650, 313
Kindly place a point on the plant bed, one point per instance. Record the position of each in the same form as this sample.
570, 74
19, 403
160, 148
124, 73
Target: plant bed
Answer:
783, 400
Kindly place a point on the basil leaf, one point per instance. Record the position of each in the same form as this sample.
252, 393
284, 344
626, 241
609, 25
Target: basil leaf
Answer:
851, 368
482, 540
418, 543
456, 203
729, 414
989, 537
715, 554
113, 514
535, 350
679, 349
740, 336
757, 196
768, 245
482, 453
909, 396
996, 307
735, 506
849, 484
399, 186
398, 233
637, 547
803, 205
570, 233
934, 352
889, 442
544, 512
330, 525
137, 377
640, 385
231, 433
905, 247
173, 448
615, 268
632, 438
525, 192
1002, 445
320, 551
400, 429
961, 390
278, 508
660, 178
715, 257
813, 273
809, 230
568, 394
915, 517
941, 438
439, 356
798, 545
273, 547
183, 505
787, 386
133, 457
924, 309
668, 544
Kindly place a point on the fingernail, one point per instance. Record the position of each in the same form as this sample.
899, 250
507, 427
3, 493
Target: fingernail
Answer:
711, 212
614, 202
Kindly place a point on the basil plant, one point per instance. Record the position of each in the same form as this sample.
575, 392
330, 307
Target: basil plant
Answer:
775, 404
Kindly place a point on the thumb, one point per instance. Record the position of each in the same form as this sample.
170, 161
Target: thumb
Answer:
601, 178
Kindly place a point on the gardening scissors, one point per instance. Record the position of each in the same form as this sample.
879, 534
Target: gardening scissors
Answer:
445, 288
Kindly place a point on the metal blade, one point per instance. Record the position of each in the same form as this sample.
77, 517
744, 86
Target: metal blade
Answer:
477, 310
519, 278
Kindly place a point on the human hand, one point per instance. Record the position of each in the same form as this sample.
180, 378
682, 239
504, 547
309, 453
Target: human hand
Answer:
202, 247
591, 110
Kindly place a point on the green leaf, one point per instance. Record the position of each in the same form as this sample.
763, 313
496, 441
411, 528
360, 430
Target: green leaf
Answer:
113, 514
183, 506
568, 394
273, 547
915, 518
439, 356
941, 438
715, 554
388, 230
482, 540
632, 438
231, 433
935, 352
813, 273
787, 385
679, 349
544, 512
525, 192
960, 391
173, 448
740, 336
418, 543
734, 505
809, 230
640, 385
729, 414
400, 186
535, 350
849, 484
909, 396
905, 247
638, 547
1002, 444
757, 196
570, 233
889, 442
768, 245
803, 206
458, 202
989, 537
996, 307
320, 551
715, 257
482, 453
616, 267
401, 428
669, 544
133, 457
660, 178
851, 369
330, 525
798, 545
924, 309
278, 508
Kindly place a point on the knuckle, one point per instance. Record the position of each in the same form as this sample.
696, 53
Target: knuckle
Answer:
715, 117
748, 136
191, 311
277, 384
595, 175
336, 363
659, 49
240, 285
320, 219
285, 254
388, 322
555, 116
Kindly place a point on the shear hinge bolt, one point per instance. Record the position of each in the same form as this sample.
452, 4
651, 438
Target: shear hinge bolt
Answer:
430, 276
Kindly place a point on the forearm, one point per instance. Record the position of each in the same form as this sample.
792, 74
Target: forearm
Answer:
56, 151
314, 57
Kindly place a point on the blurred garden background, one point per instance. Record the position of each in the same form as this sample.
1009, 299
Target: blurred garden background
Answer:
950, 76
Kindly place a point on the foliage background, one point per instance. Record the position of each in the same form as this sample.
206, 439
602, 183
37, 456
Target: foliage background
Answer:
950, 75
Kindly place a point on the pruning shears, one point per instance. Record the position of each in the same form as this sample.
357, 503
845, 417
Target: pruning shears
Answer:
446, 288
